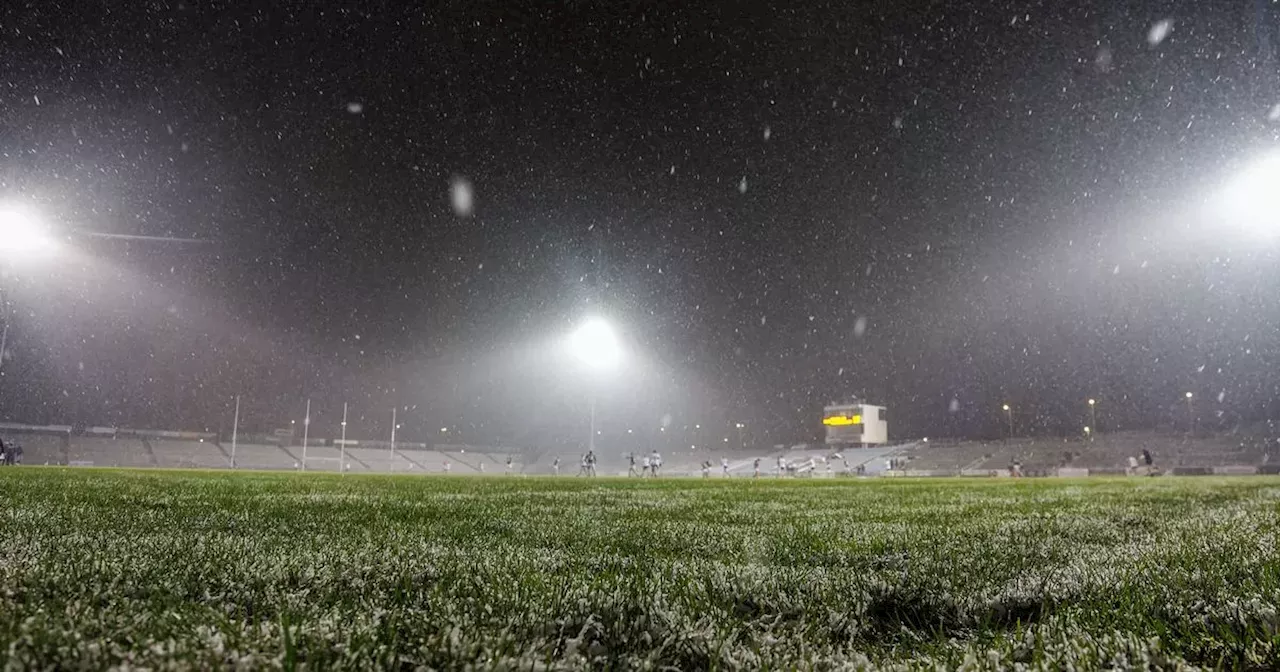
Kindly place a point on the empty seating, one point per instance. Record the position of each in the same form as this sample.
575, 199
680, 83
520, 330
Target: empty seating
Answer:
41, 448
98, 451
188, 454
263, 456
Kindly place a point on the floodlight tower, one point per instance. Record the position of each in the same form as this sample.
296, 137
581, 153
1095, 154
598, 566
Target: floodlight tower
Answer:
595, 344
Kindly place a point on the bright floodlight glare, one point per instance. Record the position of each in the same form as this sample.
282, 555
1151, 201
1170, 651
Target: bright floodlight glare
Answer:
1006, 407
1188, 395
1251, 201
596, 345
22, 233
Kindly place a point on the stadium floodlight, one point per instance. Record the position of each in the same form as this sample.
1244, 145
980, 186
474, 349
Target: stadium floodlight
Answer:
23, 233
1250, 201
1189, 395
596, 344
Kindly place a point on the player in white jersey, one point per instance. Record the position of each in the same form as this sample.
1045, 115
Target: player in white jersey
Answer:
724, 466
645, 464
655, 464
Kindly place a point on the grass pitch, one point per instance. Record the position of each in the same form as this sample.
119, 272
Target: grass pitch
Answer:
201, 569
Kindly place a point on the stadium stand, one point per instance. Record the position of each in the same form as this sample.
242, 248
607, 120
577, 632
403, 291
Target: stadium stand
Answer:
379, 460
263, 456
320, 458
939, 457
41, 448
96, 451
1254, 450
468, 462
543, 463
188, 454
429, 461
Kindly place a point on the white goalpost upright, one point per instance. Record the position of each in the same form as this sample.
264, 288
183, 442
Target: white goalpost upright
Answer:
235, 429
306, 424
393, 440
342, 446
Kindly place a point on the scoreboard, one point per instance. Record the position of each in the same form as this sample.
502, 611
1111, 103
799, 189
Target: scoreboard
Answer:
855, 423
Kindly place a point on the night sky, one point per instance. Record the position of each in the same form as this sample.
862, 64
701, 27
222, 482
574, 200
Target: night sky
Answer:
937, 206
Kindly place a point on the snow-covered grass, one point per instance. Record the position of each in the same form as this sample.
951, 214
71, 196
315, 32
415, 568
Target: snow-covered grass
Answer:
205, 569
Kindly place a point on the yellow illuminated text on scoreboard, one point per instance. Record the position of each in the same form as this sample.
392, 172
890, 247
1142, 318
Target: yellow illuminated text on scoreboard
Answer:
842, 420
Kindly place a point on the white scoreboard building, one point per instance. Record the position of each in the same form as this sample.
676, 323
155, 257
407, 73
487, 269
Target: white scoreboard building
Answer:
855, 423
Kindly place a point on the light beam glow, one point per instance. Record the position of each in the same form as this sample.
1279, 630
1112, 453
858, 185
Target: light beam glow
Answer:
1250, 202
22, 233
596, 345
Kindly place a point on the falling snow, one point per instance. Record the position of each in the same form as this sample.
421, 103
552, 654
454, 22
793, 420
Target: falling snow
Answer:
1039, 207
1159, 31
461, 196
